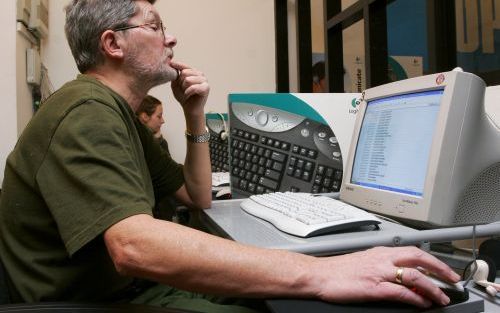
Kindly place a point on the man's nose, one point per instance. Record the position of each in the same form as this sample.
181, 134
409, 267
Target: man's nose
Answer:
170, 41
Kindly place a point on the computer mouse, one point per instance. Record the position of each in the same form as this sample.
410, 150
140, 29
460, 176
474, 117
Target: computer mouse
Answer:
223, 194
456, 292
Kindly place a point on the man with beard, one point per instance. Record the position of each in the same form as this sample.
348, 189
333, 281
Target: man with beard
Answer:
76, 206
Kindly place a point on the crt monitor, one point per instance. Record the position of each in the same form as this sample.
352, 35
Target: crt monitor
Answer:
424, 151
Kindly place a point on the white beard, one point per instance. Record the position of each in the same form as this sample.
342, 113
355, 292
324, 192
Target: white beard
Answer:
148, 74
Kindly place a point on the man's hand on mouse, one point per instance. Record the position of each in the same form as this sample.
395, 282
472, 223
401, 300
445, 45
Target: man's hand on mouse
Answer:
380, 274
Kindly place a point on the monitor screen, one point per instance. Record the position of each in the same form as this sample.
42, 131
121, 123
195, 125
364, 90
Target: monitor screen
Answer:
390, 123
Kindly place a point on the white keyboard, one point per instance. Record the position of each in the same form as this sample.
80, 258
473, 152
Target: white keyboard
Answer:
220, 179
305, 214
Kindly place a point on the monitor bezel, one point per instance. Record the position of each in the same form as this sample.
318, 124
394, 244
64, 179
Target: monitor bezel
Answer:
406, 206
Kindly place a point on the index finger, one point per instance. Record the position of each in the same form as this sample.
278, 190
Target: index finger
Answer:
178, 65
415, 257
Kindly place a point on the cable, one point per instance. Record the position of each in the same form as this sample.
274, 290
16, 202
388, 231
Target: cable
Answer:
223, 134
474, 258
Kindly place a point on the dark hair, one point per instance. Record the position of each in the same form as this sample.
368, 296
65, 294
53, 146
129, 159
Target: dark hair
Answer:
318, 71
148, 105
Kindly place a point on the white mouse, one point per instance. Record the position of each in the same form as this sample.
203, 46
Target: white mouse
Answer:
445, 285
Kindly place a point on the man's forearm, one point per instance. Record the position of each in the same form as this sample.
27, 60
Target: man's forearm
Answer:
197, 169
142, 246
200, 262
191, 90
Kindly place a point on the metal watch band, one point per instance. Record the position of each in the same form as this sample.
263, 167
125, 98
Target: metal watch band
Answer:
205, 137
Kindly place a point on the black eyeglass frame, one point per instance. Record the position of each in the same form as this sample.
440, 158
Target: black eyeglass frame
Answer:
158, 24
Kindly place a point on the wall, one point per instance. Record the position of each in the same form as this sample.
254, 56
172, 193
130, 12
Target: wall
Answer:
232, 42
56, 55
8, 120
317, 27
317, 39
23, 91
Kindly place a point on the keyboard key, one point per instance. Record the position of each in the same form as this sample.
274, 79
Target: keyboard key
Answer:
272, 174
276, 156
266, 182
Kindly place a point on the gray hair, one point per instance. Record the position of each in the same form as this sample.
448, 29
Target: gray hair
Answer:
86, 20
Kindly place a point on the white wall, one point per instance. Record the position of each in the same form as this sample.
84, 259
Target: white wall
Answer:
8, 118
317, 26
317, 38
56, 54
232, 42
23, 91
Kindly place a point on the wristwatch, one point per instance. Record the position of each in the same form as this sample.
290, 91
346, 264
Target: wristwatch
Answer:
205, 137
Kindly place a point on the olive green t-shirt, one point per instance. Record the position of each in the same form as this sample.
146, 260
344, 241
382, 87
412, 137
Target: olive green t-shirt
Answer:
82, 164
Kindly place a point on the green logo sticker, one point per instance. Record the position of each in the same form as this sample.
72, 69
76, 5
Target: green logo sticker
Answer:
354, 103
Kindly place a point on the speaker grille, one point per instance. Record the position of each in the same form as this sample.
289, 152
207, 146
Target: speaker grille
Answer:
480, 202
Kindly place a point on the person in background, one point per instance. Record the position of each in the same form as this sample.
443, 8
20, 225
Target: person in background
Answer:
318, 75
80, 185
150, 113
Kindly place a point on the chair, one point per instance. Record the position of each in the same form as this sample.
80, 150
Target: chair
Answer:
6, 304
4, 289
86, 308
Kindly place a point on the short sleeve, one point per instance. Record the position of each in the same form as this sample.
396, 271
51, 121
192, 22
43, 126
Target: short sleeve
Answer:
94, 174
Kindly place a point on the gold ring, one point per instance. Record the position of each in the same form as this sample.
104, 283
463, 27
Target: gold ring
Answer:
399, 275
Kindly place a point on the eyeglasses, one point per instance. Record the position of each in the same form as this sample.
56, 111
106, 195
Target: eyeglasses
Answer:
155, 26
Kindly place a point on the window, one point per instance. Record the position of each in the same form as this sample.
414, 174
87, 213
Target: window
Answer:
397, 39
478, 37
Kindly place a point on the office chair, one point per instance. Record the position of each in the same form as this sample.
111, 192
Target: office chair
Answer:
6, 304
4, 291
86, 308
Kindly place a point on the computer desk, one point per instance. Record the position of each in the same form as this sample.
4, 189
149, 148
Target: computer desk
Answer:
226, 219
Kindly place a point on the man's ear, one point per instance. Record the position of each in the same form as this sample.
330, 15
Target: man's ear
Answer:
110, 44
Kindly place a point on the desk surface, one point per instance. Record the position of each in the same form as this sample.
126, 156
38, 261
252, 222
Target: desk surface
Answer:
475, 304
225, 218
478, 301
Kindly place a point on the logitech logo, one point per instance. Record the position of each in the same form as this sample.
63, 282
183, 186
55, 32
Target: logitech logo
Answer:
354, 103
